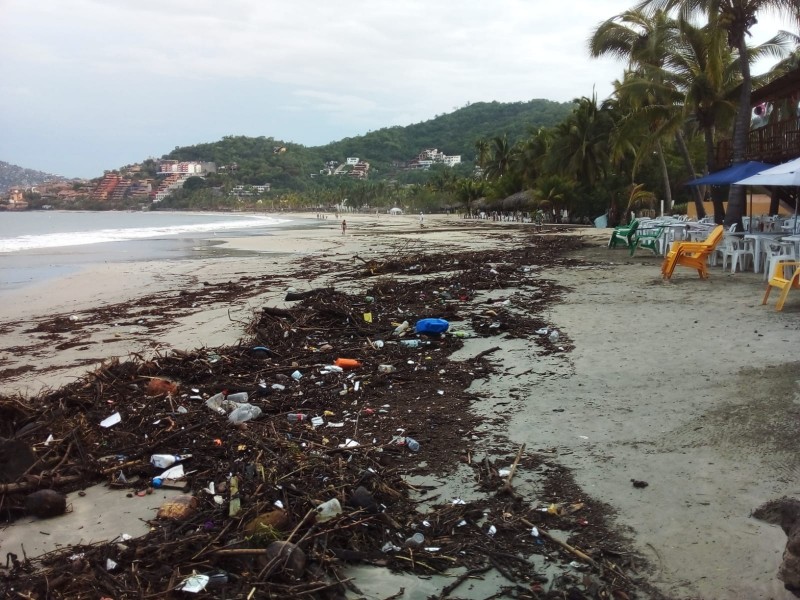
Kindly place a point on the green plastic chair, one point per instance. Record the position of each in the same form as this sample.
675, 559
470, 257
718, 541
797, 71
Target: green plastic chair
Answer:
624, 235
648, 239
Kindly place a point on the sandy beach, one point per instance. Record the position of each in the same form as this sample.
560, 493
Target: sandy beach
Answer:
688, 385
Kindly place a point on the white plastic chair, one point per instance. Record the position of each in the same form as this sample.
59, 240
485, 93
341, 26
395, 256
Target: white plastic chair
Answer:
725, 248
744, 252
778, 251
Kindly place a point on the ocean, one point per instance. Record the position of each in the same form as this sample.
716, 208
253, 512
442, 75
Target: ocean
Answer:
40, 245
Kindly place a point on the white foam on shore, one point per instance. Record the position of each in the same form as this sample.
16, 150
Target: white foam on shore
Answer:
80, 238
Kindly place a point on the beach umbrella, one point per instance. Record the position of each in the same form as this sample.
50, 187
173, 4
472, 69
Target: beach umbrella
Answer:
732, 175
783, 175
786, 174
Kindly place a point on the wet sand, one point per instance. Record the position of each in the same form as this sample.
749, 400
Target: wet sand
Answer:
688, 385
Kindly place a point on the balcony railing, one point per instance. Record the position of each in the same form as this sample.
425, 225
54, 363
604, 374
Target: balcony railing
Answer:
773, 143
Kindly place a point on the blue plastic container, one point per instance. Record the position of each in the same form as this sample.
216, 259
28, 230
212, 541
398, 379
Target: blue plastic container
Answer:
432, 326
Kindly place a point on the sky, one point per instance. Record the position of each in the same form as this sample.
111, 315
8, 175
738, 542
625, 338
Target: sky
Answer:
92, 85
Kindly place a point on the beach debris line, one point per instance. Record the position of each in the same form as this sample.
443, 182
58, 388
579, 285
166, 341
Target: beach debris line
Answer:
279, 506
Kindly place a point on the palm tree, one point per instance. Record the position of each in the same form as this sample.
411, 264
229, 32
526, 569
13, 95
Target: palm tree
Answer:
468, 191
648, 93
528, 156
736, 17
580, 147
482, 152
500, 158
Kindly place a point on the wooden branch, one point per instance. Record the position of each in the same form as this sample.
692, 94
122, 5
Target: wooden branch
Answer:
571, 549
35, 482
480, 355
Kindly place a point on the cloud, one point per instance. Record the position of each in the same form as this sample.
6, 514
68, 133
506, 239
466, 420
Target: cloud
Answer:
301, 70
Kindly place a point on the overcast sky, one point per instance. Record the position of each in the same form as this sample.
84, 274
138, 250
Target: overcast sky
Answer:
88, 85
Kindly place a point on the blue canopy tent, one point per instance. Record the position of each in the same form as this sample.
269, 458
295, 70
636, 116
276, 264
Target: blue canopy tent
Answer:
733, 174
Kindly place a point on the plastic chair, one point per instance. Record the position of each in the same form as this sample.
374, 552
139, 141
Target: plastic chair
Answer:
778, 251
623, 234
650, 239
742, 250
692, 254
784, 284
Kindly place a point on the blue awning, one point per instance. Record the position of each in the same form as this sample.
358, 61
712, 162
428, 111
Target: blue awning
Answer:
732, 174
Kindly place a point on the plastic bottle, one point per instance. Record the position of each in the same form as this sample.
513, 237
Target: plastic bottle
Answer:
386, 368
163, 461
295, 417
239, 397
415, 541
412, 444
413, 343
245, 412
402, 328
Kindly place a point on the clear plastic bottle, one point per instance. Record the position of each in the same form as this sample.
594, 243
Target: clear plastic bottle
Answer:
245, 412
412, 444
239, 397
414, 343
295, 417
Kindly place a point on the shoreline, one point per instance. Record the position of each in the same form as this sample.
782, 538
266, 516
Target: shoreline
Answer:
658, 387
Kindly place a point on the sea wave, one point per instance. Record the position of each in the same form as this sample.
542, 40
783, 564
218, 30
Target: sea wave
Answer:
80, 238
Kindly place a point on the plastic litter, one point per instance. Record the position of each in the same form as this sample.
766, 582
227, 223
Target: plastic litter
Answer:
162, 461
386, 368
243, 413
402, 328
415, 541
328, 510
413, 343
111, 421
347, 363
412, 444
554, 336
194, 584
295, 417
297, 375
432, 326
238, 397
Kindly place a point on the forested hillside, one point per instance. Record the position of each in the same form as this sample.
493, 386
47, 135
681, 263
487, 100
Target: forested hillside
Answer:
263, 160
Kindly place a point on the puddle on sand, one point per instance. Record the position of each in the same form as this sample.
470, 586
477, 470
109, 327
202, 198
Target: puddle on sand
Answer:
103, 514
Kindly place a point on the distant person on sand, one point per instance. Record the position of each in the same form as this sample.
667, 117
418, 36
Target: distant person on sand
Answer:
344, 226
421, 219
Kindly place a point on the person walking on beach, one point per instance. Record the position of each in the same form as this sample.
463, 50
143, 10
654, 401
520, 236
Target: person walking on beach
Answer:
421, 219
344, 226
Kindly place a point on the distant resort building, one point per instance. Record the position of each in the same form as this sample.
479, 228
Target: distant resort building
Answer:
166, 167
431, 156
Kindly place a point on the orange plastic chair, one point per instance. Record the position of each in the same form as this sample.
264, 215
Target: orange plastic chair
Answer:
692, 254
784, 284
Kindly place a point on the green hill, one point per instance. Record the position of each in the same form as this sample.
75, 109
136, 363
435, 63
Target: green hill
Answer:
261, 160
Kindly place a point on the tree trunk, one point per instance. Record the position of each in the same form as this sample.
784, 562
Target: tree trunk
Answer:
697, 196
717, 193
665, 175
741, 133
